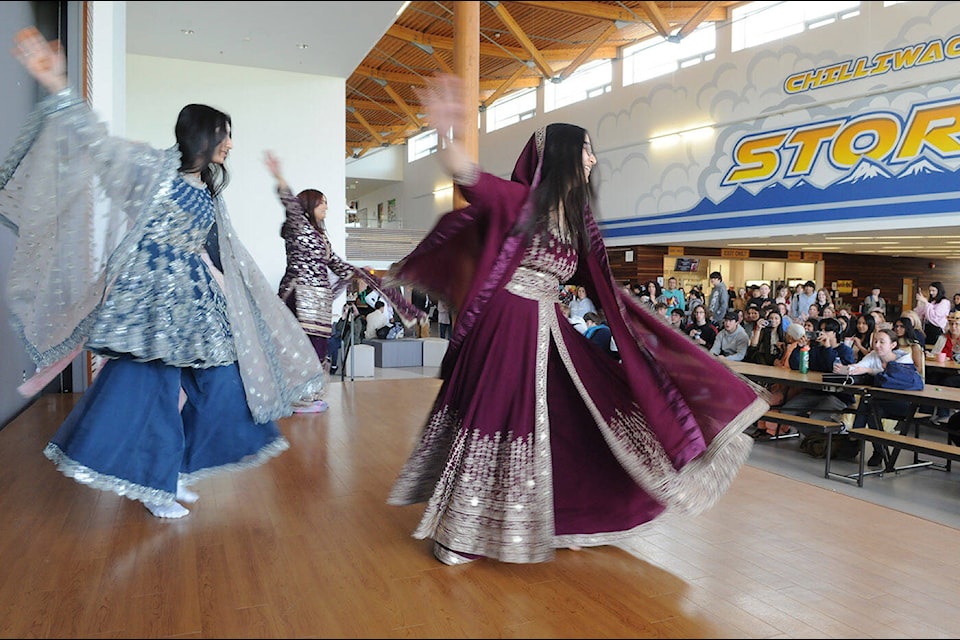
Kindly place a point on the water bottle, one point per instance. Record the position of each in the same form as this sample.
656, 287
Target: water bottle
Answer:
836, 363
804, 358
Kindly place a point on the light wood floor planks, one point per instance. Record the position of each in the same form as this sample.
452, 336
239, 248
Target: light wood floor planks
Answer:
306, 547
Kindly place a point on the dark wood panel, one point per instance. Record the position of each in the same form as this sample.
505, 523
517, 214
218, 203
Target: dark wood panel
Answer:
863, 271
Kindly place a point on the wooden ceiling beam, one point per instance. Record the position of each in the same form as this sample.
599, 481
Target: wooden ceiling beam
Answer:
402, 104
494, 51
366, 125
588, 52
697, 19
600, 11
503, 88
660, 23
525, 42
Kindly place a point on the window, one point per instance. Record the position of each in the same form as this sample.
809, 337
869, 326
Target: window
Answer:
659, 56
592, 79
421, 146
759, 22
519, 105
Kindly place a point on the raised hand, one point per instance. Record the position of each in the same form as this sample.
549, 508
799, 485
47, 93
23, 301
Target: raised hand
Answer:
44, 60
273, 164
444, 104
446, 107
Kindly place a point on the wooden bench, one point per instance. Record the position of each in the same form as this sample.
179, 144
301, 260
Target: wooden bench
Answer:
899, 442
806, 425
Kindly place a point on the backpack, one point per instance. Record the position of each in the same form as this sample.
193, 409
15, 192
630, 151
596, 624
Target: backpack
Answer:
395, 332
843, 446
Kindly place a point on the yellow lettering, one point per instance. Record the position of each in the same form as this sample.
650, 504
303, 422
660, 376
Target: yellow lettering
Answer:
907, 56
880, 132
935, 126
756, 158
952, 47
934, 53
797, 83
807, 142
881, 63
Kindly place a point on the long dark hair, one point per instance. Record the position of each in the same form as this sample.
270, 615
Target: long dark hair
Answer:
940, 295
199, 130
562, 181
309, 200
871, 321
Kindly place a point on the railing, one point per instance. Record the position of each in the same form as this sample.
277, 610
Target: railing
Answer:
381, 244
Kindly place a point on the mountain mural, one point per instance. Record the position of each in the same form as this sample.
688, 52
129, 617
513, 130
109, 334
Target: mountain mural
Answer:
869, 190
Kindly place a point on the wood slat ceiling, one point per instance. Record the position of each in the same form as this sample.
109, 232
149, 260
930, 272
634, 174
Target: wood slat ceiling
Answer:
521, 45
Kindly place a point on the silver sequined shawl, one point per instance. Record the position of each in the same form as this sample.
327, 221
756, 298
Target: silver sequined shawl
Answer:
74, 196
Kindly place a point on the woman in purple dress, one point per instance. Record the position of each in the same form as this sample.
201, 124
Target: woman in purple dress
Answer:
534, 443
306, 286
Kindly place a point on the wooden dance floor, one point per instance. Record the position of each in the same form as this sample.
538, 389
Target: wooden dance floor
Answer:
306, 547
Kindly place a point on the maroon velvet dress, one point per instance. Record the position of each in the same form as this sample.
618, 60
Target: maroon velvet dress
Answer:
537, 440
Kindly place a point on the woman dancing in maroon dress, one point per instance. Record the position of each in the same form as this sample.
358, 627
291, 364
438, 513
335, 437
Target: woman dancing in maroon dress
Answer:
535, 442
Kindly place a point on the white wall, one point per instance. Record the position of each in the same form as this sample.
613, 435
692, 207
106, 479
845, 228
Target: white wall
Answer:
298, 116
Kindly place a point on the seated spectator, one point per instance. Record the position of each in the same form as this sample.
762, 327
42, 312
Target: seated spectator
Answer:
911, 340
860, 338
767, 340
653, 290
891, 368
732, 341
824, 297
949, 345
376, 320
917, 325
676, 318
880, 320
824, 350
660, 309
751, 315
739, 302
599, 333
794, 338
581, 304
576, 321
701, 331
694, 300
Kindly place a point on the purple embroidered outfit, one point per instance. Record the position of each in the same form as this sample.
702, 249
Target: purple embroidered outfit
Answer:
305, 285
534, 441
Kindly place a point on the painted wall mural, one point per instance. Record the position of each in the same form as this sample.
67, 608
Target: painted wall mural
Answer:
794, 138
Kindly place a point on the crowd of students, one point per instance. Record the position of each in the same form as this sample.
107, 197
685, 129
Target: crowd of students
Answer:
753, 325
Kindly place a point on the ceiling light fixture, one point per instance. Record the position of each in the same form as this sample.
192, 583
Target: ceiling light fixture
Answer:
302, 45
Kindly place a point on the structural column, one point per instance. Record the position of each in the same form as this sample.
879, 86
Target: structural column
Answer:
466, 64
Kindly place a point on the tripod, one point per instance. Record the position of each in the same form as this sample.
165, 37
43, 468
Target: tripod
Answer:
347, 339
